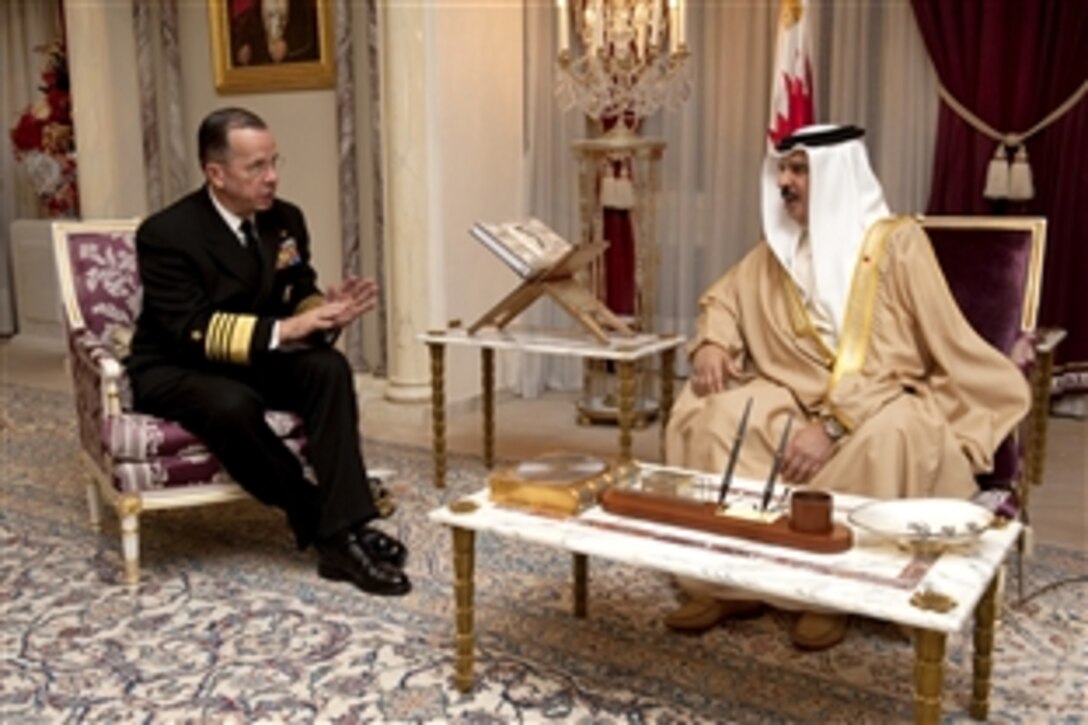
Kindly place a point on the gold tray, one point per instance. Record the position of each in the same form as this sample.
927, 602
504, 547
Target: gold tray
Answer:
560, 483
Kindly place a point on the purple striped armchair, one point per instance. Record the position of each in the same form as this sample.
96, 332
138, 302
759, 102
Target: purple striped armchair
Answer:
137, 462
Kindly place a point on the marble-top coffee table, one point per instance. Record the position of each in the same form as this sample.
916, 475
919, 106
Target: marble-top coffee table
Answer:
935, 593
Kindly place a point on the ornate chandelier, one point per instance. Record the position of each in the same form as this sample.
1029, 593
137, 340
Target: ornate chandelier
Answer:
629, 58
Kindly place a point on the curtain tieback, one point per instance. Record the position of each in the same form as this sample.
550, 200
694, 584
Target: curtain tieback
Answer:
617, 188
1005, 180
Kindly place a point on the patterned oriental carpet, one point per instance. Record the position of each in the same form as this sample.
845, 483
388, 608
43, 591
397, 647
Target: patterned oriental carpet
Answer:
230, 623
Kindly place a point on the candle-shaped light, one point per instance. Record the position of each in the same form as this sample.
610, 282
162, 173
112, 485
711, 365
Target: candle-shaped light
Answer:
589, 22
601, 21
655, 23
564, 27
674, 25
682, 24
642, 26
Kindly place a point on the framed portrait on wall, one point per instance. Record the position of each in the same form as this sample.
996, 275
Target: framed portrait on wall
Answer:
261, 46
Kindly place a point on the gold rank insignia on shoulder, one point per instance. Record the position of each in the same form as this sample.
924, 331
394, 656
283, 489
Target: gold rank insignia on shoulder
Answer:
229, 337
196, 335
287, 255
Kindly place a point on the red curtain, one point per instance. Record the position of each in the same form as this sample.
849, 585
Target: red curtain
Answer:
620, 259
1011, 62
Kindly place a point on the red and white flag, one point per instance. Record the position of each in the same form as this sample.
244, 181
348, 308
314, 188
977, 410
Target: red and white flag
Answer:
792, 104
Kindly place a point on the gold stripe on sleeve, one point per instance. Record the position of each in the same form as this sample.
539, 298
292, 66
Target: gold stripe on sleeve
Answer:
211, 340
229, 337
241, 337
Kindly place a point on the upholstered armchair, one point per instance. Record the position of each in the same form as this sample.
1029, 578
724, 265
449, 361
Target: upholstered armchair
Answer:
137, 462
993, 266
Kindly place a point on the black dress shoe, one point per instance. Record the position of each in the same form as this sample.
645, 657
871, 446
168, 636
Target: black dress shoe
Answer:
381, 546
344, 558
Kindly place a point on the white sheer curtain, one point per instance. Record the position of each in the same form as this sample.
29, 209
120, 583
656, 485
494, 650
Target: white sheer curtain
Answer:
24, 25
874, 71
871, 69
551, 185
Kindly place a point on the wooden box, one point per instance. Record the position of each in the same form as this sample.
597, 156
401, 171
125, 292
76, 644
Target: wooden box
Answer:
668, 497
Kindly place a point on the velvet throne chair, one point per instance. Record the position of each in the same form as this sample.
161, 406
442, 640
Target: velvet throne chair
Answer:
993, 266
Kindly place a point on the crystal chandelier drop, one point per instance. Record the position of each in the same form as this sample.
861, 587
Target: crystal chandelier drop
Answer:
630, 57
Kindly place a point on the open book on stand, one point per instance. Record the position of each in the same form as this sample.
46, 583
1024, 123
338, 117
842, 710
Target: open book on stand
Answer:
528, 247
547, 265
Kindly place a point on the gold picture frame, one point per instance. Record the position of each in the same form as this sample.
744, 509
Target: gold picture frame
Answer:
262, 46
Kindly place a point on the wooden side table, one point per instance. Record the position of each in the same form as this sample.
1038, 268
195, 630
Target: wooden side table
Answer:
624, 351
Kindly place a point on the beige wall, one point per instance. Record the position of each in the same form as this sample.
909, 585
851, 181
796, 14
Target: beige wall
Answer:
477, 171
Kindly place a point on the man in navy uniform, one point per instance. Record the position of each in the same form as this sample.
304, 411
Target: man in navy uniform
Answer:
233, 324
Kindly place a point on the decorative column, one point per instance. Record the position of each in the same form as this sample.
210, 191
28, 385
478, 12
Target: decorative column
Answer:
407, 152
108, 127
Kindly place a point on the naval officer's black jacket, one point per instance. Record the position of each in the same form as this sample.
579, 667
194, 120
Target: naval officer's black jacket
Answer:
207, 301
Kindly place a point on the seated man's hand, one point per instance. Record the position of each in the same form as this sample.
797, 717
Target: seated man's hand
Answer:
806, 454
360, 296
325, 316
712, 369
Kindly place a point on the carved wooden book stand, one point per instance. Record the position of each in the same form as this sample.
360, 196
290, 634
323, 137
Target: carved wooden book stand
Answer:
559, 284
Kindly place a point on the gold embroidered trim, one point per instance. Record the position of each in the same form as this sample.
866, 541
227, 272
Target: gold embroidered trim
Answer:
241, 338
229, 337
858, 320
799, 317
310, 302
211, 340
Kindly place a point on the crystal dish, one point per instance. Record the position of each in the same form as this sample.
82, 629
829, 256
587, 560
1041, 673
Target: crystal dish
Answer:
924, 523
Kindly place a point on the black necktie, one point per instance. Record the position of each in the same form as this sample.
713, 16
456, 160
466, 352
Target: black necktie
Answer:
252, 243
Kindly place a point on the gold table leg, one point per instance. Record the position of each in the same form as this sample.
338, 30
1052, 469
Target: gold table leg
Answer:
928, 676
627, 406
581, 569
487, 365
985, 616
668, 363
438, 411
464, 560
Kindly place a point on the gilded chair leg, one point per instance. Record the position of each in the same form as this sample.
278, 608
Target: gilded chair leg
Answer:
985, 617
438, 411
464, 562
928, 675
94, 504
128, 510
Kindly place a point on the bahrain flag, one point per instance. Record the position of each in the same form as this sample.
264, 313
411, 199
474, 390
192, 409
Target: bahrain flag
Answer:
792, 104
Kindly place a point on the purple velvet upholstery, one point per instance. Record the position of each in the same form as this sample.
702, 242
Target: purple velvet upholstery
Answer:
139, 452
987, 271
